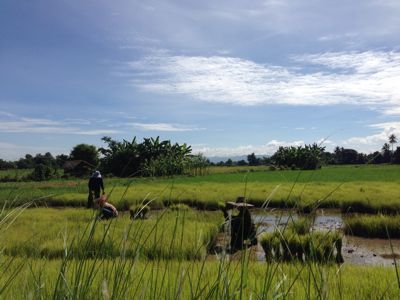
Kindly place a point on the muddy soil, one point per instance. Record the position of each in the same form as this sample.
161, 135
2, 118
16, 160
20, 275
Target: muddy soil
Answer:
355, 250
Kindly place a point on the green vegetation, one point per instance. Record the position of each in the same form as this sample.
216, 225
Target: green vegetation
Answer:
46, 232
373, 226
369, 189
67, 253
122, 279
297, 242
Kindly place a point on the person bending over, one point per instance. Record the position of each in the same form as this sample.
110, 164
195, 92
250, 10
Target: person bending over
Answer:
107, 210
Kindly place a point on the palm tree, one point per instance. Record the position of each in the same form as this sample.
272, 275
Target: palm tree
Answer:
392, 140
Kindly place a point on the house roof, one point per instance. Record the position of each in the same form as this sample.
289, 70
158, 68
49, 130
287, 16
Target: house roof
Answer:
72, 164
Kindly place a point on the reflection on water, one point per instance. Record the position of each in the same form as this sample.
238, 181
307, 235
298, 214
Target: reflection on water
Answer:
355, 250
268, 221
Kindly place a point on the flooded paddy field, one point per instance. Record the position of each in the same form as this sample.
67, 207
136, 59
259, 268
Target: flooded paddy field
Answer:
355, 250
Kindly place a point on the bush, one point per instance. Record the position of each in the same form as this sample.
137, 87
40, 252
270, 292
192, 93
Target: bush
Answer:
42, 172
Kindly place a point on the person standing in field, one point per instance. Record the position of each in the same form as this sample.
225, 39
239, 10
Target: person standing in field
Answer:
95, 185
243, 233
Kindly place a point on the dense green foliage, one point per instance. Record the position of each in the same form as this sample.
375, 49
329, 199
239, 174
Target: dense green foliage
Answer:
304, 158
152, 157
42, 172
85, 152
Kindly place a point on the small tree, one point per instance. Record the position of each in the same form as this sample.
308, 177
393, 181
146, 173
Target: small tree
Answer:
396, 156
253, 160
42, 172
392, 141
85, 152
386, 152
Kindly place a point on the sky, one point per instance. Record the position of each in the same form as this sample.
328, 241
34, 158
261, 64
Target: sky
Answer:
228, 78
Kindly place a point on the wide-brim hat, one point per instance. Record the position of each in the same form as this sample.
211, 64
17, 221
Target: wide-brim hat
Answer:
240, 202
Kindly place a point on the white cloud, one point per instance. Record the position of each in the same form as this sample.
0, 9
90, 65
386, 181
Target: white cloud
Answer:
333, 37
375, 141
15, 124
7, 114
267, 149
96, 132
165, 127
391, 111
367, 78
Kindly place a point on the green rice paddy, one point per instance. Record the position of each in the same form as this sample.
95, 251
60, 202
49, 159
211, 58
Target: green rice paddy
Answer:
58, 249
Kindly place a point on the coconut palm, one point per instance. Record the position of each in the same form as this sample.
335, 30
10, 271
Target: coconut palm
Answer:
392, 140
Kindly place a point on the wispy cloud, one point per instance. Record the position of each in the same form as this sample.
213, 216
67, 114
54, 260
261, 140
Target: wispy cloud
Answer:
366, 78
374, 141
333, 37
391, 111
15, 124
267, 149
7, 114
165, 127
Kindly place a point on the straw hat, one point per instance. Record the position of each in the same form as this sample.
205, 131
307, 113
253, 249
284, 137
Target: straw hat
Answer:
240, 202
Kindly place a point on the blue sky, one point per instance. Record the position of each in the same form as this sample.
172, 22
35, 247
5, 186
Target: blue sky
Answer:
227, 77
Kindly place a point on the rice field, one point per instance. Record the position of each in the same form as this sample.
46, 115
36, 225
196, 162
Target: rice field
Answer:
166, 279
51, 233
52, 247
369, 189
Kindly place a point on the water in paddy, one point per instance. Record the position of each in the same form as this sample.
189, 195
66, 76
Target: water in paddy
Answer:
355, 250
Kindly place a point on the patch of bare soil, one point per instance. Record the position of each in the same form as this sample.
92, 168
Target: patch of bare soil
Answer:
364, 251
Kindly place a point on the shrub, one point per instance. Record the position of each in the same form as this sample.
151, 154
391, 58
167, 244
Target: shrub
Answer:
42, 172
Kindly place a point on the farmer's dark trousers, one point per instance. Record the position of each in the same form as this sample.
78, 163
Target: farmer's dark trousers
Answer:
93, 194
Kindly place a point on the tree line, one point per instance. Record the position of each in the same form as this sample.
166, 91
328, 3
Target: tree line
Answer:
155, 157
313, 156
151, 157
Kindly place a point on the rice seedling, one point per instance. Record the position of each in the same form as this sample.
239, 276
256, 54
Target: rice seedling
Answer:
48, 231
297, 242
368, 189
201, 280
373, 226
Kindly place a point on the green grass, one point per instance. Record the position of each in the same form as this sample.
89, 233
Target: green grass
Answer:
198, 280
110, 260
14, 174
46, 232
373, 226
366, 188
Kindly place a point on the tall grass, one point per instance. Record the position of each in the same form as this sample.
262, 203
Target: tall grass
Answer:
50, 230
94, 275
373, 226
164, 257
